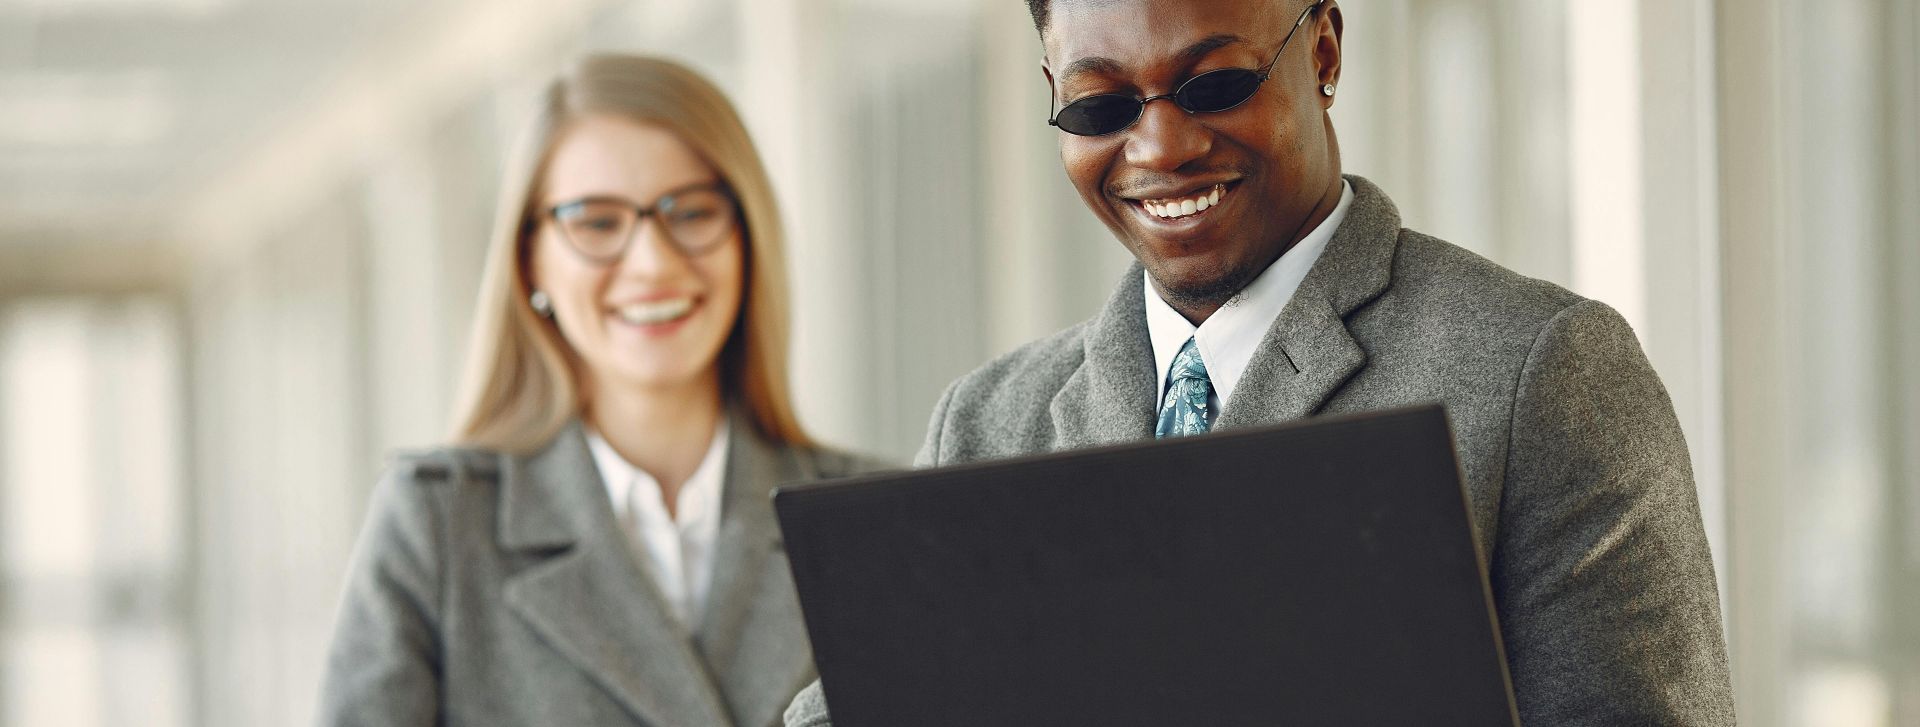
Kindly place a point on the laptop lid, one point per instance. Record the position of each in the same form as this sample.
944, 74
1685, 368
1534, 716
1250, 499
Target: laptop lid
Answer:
1318, 572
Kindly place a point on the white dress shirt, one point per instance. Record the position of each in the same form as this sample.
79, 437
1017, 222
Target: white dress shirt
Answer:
676, 553
1228, 338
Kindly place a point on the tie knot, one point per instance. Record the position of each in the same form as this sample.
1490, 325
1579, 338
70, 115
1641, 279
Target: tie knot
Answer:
1185, 409
1187, 363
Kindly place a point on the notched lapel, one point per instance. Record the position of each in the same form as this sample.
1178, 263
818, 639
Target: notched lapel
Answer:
752, 635
1110, 398
1305, 359
1309, 353
588, 599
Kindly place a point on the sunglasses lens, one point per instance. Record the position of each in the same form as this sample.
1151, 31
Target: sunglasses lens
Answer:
1097, 115
1218, 90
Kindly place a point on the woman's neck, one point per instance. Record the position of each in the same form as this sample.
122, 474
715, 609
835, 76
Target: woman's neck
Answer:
664, 431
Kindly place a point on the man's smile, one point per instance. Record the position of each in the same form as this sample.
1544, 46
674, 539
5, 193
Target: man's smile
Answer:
1182, 211
1183, 205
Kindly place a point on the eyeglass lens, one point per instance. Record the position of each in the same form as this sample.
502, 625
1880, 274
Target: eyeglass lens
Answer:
1208, 92
695, 222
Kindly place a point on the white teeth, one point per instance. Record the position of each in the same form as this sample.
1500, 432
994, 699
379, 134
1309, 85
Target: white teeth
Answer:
655, 311
1172, 209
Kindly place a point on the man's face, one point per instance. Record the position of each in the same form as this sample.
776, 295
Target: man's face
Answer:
1270, 160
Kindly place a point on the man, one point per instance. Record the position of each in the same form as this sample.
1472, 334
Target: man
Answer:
1269, 288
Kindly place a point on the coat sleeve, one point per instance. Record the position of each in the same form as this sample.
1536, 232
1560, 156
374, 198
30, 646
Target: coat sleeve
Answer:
384, 664
1605, 587
809, 708
929, 455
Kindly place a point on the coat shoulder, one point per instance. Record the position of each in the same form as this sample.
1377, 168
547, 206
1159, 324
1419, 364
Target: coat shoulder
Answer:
1475, 302
1026, 376
1435, 269
1001, 409
445, 465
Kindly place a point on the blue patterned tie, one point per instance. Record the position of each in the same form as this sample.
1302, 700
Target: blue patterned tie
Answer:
1185, 410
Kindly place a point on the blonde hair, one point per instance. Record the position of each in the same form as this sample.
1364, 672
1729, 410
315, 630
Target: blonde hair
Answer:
522, 381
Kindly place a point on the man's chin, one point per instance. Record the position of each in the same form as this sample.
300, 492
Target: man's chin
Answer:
1198, 288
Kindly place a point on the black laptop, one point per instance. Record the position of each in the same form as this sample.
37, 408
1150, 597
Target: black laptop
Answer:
1316, 573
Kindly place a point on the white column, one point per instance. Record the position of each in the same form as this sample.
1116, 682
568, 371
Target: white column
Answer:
1530, 101
1458, 148
787, 70
1903, 117
1603, 55
1376, 97
1680, 234
1024, 257
1755, 219
408, 365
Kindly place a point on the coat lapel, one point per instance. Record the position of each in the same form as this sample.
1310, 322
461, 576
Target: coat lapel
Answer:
1109, 399
752, 635
1309, 353
585, 594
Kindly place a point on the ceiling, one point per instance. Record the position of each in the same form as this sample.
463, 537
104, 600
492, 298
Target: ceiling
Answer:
112, 110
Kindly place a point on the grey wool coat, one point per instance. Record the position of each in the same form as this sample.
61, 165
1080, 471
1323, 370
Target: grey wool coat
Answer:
491, 589
1580, 486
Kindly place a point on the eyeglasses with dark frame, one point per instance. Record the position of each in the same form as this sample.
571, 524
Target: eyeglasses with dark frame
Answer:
1210, 92
696, 219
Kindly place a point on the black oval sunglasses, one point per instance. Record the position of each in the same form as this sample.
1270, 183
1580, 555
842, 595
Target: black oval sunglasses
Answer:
1210, 92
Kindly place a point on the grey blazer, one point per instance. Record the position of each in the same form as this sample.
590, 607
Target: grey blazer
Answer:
1581, 489
490, 589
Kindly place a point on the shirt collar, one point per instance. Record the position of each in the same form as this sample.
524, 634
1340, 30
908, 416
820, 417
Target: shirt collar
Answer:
698, 500
1228, 338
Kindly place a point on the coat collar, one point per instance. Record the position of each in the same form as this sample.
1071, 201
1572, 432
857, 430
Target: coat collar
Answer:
1110, 398
1309, 353
587, 596
752, 636
1306, 356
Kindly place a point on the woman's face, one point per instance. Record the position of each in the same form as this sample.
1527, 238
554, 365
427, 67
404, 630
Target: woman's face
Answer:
655, 315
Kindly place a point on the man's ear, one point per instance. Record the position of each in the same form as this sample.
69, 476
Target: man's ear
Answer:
1047, 71
1326, 45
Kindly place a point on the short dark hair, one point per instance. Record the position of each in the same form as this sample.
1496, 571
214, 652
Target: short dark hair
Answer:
1039, 10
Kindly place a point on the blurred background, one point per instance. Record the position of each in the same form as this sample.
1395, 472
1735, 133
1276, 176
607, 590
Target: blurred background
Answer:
240, 239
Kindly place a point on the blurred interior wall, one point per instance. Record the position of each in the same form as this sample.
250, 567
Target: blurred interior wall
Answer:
1818, 166
93, 549
1738, 177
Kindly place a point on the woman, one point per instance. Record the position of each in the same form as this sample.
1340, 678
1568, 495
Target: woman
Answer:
599, 547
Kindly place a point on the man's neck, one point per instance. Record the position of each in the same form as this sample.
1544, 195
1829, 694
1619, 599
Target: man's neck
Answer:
1197, 312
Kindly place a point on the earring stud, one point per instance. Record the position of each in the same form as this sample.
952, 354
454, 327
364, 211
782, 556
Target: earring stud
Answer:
541, 304
1326, 90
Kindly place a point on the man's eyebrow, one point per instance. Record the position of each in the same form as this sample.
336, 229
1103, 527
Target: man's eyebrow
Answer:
1092, 64
1189, 54
1207, 45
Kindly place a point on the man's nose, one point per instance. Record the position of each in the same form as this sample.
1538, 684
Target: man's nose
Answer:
1166, 137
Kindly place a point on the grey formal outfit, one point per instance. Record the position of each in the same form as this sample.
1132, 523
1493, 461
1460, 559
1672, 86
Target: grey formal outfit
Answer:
1578, 476
491, 589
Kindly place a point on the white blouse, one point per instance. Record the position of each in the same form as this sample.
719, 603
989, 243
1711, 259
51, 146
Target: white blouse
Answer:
676, 554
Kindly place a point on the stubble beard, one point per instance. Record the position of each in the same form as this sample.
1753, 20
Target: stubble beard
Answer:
1219, 292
